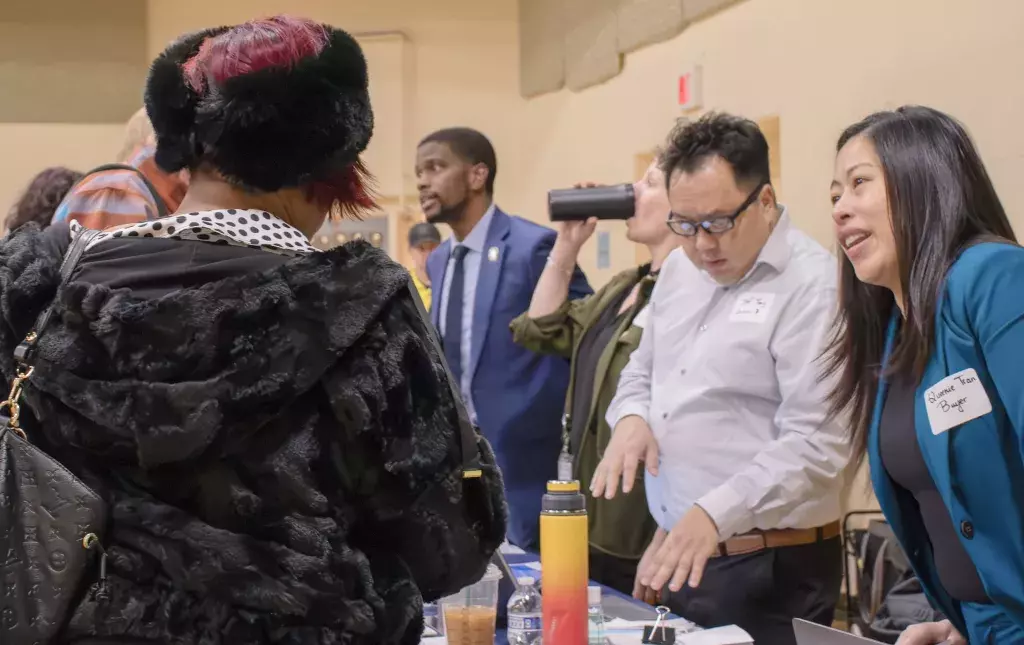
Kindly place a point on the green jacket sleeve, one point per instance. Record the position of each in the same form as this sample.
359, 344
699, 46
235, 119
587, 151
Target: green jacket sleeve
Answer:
555, 333
558, 332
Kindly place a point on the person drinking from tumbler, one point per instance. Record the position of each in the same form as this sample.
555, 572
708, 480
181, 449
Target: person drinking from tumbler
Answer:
932, 290
598, 333
723, 400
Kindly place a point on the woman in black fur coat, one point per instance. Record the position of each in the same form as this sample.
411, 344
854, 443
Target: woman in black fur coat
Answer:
270, 425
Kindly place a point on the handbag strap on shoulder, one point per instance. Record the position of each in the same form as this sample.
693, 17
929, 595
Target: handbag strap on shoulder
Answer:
471, 467
24, 352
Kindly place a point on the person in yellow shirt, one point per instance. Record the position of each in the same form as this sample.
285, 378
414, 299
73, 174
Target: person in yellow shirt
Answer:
423, 239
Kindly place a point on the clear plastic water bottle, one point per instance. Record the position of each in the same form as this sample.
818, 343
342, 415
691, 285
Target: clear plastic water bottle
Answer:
595, 616
524, 614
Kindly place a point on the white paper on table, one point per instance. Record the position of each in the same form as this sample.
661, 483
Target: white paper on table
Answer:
731, 635
434, 640
510, 549
620, 631
630, 632
621, 624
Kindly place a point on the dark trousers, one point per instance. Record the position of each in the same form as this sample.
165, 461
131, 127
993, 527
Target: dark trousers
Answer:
610, 571
763, 592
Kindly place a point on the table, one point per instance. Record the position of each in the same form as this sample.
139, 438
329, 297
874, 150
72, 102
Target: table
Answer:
614, 603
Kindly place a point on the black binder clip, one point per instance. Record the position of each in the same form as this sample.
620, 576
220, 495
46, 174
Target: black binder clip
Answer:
659, 633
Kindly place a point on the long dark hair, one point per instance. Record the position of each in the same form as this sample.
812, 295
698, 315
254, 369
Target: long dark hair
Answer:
42, 197
941, 200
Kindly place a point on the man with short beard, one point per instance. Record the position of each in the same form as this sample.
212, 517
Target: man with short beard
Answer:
483, 276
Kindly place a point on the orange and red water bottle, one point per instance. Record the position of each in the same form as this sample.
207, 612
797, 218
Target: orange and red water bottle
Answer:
564, 571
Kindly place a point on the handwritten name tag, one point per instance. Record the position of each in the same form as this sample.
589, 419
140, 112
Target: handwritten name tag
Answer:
752, 308
955, 400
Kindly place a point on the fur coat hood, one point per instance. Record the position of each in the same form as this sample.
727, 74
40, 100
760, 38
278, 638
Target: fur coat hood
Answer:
280, 451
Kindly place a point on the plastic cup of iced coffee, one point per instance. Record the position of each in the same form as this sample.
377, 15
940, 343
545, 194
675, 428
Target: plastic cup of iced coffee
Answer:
469, 615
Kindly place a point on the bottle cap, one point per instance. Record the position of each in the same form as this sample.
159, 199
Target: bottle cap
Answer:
571, 486
593, 595
526, 581
564, 497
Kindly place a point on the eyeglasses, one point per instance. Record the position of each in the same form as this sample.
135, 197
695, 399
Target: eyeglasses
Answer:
715, 225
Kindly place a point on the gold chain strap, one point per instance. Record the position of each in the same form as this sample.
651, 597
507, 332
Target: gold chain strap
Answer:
13, 401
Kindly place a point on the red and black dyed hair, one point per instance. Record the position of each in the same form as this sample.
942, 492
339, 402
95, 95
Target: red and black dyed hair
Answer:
278, 42
275, 103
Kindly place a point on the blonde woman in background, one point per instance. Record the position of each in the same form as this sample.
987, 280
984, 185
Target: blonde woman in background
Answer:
598, 333
133, 189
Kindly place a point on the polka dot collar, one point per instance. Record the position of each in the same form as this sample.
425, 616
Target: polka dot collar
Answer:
255, 229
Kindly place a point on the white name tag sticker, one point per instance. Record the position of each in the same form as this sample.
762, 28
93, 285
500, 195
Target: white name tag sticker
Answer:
752, 308
955, 400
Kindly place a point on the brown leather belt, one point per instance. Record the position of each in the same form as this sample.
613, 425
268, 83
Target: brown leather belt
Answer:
760, 540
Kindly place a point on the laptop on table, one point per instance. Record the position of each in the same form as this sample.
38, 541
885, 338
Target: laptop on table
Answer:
808, 633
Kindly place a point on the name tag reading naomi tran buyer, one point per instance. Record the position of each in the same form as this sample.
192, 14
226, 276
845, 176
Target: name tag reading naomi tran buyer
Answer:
955, 400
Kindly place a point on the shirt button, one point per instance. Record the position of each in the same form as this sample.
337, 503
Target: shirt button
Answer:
967, 530
664, 509
703, 327
664, 415
682, 371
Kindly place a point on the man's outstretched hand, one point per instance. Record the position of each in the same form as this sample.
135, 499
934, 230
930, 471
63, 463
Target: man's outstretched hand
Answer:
632, 442
682, 556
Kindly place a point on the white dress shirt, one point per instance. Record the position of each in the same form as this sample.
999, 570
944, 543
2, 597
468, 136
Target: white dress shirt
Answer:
728, 378
475, 242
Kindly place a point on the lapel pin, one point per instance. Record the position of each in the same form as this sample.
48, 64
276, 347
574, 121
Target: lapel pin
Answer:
492, 254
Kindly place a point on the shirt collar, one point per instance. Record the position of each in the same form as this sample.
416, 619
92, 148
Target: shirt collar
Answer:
776, 251
255, 229
477, 238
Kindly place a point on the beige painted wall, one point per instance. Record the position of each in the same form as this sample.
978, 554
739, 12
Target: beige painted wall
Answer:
819, 66
55, 50
27, 148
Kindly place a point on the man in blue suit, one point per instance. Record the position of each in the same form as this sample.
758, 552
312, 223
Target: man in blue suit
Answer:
484, 276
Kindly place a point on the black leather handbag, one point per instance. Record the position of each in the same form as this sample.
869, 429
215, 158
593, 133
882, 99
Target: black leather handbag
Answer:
50, 521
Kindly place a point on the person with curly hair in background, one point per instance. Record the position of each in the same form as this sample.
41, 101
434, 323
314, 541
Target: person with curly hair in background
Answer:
42, 196
282, 454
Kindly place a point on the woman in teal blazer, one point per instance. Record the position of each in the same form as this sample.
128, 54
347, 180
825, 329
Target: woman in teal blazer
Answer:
932, 290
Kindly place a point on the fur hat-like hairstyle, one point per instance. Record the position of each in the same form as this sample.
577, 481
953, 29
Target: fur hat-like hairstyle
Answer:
297, 115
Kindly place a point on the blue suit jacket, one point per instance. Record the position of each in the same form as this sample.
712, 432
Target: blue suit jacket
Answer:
519, 396
978, 466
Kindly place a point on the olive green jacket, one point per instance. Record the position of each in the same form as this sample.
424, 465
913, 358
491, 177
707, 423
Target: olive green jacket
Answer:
623, 526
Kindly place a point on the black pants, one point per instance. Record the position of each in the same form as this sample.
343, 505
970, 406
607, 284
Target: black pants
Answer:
763, 592
610, 571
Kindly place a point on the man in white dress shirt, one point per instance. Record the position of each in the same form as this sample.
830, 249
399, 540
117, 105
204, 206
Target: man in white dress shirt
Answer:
723, 400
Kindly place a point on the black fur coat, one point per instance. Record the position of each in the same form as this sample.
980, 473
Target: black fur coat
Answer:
280, 450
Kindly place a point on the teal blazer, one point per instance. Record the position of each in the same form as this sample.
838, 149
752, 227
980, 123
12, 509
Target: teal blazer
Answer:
977, 466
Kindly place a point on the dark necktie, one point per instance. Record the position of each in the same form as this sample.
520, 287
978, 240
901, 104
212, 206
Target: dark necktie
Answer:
453, 316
